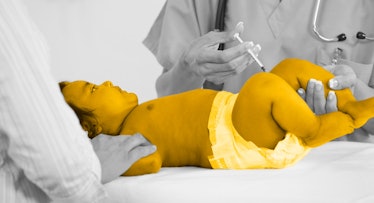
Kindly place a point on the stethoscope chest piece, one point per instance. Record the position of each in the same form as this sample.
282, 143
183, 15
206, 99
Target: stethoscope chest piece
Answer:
338, 54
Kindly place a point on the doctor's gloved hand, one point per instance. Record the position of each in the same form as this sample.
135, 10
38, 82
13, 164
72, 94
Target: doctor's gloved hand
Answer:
345, 77
205, 60
117, 153
314, 96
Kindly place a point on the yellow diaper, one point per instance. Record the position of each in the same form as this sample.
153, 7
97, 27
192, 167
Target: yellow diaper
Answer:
231, 151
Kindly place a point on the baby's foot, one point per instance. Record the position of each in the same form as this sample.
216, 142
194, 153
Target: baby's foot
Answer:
361, 111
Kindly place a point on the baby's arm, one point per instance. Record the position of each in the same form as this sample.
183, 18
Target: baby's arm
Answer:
146, 165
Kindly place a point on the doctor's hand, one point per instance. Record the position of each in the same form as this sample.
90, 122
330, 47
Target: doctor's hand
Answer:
314, 96
345, 77
204, 60
118, 153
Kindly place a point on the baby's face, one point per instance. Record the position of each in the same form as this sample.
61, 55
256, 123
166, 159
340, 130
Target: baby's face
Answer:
110, 104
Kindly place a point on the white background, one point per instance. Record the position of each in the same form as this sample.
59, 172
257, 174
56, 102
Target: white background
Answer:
99, 40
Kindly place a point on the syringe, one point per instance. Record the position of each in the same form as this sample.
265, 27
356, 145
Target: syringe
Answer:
236, 36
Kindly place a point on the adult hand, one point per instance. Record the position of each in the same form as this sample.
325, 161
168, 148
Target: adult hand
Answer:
118, 153
203, 58
315, 98
345, 77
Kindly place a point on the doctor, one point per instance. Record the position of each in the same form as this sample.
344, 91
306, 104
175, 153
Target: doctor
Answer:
182, 41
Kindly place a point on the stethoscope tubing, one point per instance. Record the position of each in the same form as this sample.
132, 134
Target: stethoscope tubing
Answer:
315, 28
341, 37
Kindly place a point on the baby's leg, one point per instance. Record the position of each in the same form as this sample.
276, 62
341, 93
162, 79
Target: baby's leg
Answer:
146, 165
267, 107
298, 72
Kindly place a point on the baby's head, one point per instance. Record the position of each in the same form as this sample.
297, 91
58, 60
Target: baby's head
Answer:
100, 108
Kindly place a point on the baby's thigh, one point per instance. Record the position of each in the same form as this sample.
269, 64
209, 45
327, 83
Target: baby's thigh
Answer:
253, 113
297, 73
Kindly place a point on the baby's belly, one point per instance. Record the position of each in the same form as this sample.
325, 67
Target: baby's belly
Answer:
181, 135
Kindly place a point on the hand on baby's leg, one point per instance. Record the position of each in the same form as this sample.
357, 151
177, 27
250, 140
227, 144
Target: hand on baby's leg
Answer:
314, 96
344, 78
298, 72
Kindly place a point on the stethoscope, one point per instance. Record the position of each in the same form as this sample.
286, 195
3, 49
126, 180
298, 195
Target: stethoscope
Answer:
341, 37
221, 9
220, 26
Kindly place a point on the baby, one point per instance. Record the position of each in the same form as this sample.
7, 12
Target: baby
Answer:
266, 125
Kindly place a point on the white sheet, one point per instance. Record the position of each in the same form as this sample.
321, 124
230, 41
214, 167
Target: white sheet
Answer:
336, 172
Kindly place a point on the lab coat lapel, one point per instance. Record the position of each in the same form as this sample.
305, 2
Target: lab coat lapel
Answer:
281, 15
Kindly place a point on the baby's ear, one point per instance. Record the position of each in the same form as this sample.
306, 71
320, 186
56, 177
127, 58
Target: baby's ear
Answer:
97, 129
92, 127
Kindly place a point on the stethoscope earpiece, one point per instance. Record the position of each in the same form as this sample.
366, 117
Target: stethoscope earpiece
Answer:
341, 37
361, 35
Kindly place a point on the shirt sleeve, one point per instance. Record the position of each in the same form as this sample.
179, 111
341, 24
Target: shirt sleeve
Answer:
177, 25
45, 139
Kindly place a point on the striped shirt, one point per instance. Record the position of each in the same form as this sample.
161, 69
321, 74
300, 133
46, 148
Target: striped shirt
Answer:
44, 154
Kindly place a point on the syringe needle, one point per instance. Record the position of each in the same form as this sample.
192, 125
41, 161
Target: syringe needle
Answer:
236, 36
